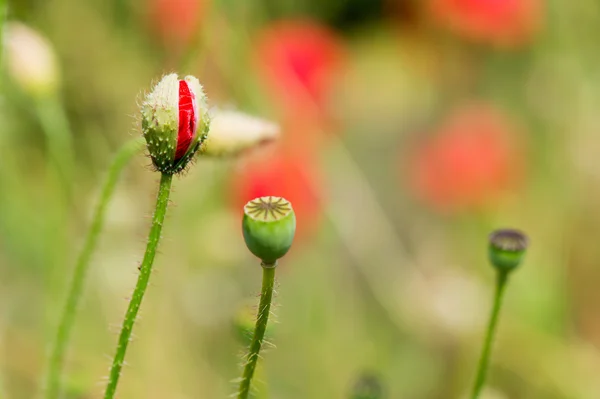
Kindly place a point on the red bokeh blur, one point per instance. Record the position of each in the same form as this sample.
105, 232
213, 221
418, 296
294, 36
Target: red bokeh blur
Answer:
175, 22
298, 62
499, 22
280, 172
473, 159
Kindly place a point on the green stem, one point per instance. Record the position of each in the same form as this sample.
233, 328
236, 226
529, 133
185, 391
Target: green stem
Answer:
264, 308
484, 360
162, 201
3, 12
2, 18
55, 125
65, 326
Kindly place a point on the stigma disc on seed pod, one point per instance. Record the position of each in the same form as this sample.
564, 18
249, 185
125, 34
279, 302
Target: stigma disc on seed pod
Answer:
269, 225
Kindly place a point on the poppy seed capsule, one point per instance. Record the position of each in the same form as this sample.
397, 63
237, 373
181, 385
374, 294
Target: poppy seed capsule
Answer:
175, 122
269, 226
507, 248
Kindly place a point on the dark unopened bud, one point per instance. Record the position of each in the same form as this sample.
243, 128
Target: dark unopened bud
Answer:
269, 226
175, 122
507, 248
368, 386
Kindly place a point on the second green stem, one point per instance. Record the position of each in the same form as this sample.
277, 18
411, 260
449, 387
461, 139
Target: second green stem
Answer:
484, 360
138, 294
264, 308
61, 342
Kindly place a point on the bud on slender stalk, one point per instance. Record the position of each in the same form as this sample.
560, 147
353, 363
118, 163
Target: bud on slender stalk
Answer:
507, 249
269, 226
30, 60
233, 132
175, 122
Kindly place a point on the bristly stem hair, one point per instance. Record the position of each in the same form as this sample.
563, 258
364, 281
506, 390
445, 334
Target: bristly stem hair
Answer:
52, 381
264, 307
162, 201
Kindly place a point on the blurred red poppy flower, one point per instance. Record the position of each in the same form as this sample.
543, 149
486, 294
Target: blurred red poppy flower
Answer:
283, 173
470, 162
500, 22
176, 22
298, 62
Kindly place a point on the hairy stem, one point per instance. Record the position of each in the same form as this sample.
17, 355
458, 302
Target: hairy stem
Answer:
67, 319
264, 308
140, 288
484, 360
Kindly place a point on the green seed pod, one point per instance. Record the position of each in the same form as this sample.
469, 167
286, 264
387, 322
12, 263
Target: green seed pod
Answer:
507, 248
175, 122
269, 225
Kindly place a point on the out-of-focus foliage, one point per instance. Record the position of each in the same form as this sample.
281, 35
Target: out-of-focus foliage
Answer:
409, 130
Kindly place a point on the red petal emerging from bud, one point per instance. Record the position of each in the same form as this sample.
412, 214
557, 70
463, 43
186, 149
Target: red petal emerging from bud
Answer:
187, 120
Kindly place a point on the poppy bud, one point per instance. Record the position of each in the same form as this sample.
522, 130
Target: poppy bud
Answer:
507, 248
269, 226
233, 132
175, 122
30, 60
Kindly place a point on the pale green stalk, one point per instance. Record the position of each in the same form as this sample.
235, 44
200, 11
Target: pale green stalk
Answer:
484, 360
55, 126
3, 12
61, 342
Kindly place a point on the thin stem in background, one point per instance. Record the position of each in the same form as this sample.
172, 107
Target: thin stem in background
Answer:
3, 12
55, 125
264, 307
484, 360
162, 201
61, 343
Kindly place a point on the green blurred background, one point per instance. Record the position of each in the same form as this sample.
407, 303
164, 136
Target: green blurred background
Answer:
410, 130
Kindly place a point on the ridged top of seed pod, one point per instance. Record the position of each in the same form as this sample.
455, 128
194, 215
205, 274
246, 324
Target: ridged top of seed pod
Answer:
268, 209
509, 240
507, 248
